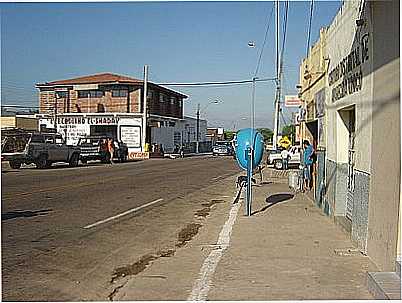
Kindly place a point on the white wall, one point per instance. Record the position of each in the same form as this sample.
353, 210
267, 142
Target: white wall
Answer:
165, 134
343, 36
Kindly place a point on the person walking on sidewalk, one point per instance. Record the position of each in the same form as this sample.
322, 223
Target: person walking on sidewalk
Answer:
308, 162
285, 158
110, 148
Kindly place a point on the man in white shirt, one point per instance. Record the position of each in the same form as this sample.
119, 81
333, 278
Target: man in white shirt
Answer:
285, 155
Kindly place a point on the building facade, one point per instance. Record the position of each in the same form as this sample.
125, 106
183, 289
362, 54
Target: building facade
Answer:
361, 126
313, 80
103, 93
113, 105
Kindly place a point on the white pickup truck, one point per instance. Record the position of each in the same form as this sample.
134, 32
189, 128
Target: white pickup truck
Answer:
276, 159
43, 149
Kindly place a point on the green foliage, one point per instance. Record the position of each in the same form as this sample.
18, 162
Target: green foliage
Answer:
229, 134
288, 130
267, 134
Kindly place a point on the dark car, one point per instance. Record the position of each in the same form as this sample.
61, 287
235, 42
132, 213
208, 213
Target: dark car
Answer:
95, 148
222, 148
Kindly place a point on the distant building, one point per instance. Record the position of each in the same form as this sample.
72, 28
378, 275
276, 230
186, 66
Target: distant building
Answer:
107, 93
112, 105
215, 134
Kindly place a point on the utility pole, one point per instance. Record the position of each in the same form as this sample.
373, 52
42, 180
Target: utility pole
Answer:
198, 128
144, 120
278, 81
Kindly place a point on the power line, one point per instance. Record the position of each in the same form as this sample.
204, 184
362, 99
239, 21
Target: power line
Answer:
309, 29
263, 44
216, 83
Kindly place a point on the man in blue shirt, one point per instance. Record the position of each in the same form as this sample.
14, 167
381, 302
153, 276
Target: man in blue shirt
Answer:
308, 162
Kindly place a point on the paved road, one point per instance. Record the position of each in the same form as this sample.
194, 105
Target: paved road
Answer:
63, 233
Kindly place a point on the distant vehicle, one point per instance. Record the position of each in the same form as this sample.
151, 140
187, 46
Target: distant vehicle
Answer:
223, 148
42, 149
95, 148
274, 157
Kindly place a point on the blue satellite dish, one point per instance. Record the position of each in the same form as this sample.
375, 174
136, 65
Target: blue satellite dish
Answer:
244, 140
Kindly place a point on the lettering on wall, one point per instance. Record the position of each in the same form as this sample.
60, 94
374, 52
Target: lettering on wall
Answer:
107, 120
347, 76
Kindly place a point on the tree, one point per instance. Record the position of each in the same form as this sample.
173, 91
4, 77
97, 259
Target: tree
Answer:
266, 133
229, 134
289, 131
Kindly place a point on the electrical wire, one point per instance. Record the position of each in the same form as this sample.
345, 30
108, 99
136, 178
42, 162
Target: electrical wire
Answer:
216, 83
263, 44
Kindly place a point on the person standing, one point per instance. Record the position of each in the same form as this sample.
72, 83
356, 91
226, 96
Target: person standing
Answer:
308, 162
285, 159
110, 147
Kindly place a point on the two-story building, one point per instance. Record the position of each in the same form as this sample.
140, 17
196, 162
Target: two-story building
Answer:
113, 105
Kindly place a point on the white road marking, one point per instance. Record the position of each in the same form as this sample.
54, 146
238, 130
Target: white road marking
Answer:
123, 214
202, 284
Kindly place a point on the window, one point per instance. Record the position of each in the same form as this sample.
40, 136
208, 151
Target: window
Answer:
49, 139
177, 138
95, 94
61, 95
150, 94
119, 93
37, 139
172, 124
161, 98
172, 100
90, 94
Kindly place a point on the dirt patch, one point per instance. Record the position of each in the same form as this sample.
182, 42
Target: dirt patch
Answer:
206, 210
115, 291
133, 269
168, 252
187, 233
203, 212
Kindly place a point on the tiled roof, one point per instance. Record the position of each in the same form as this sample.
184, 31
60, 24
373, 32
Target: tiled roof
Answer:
98, 78
104, 78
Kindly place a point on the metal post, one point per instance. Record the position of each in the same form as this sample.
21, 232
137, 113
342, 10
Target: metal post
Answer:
198, 128
278, 80
144, 119
249, 182
55, 110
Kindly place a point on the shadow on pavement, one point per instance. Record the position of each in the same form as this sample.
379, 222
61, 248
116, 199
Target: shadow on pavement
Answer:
274, 199
24, 213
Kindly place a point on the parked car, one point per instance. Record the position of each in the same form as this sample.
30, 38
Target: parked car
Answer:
223, 148
274, 157
95, 148
42, 149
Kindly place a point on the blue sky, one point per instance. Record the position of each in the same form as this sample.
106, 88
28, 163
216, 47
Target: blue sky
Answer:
180, 41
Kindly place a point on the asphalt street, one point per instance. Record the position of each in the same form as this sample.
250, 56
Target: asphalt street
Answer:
66, 232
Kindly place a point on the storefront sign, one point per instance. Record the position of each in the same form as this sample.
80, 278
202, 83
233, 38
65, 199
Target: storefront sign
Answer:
99, 120
72, 133
349, 71
131, 135
138, 155
292, 101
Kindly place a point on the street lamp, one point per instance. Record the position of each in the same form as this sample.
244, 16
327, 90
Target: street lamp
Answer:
198, 121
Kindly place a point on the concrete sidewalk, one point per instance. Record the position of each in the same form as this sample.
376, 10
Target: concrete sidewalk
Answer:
287, 250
